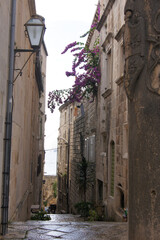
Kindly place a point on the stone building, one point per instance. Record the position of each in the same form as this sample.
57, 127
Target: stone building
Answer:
77, 134
65, 153
103, 126
28, 113
5, 8
84, 147
84, 136
76, 138
49, 190
112, 123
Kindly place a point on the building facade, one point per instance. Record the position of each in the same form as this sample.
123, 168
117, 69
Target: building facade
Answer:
112, 124
28, 114
103, 126
76, 141
76, 144
49, 191
5, 9
65, 154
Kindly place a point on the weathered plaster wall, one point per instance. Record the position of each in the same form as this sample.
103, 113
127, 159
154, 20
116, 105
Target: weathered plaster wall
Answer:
28, 126
5, 8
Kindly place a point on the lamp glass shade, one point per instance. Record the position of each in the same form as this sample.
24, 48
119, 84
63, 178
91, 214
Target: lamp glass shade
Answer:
35, 30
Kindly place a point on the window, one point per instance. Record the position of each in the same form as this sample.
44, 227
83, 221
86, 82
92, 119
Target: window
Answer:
39, 165
109, 69
71, 114
121, 57
103, 71
92, 148
86, 148
66, 160
107, 62
40, 127
65, 117
89, 151
122, 60
100, 191
125, 141
112, 147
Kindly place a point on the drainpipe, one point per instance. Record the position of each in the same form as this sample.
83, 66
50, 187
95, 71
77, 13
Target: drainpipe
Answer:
8, 124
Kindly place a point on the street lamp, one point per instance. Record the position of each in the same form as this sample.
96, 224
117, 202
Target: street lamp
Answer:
35, 29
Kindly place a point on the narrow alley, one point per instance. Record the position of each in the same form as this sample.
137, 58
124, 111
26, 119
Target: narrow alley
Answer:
67, 226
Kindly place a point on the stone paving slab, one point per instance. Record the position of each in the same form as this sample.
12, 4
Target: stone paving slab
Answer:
66, 226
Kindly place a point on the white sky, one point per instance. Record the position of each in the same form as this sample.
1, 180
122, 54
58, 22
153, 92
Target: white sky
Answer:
66, 21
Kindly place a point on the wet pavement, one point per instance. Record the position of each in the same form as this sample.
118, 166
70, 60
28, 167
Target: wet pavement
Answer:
67, 226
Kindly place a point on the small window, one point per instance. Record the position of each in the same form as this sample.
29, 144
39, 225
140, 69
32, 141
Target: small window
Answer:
100, 191
122, 60
71, 115
125, 141
112, 167
86, 149
66, 156
40, 127
39, 165
109, 68
89, 150
92, 148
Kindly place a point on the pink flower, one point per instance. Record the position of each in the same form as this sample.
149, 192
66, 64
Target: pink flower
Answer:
69, 46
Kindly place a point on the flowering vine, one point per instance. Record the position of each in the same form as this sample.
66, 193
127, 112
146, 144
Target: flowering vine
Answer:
85, 69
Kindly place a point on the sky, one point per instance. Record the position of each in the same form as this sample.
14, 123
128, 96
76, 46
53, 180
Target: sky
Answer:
66, 21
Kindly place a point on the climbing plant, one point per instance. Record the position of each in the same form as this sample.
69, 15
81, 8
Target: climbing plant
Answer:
85, 70
55, 189
85, 174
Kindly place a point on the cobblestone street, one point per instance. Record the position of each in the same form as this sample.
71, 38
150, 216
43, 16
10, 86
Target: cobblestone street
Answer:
69, 227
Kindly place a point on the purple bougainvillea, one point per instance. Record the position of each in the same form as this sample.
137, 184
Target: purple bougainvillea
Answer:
85, 69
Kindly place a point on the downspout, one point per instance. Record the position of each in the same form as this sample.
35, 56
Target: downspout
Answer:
8, 124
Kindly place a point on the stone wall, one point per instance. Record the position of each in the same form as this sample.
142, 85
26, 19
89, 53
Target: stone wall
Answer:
112, 109
65, 154
106, 121
84, 146
48, 192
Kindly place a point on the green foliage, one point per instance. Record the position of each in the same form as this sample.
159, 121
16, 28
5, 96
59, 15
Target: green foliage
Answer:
55, 189
82, 170
45, 203
83, 208
85, 173
93, 216
41, 215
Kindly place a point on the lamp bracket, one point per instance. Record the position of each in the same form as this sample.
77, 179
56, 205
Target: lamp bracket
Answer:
25, 50
20, 70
